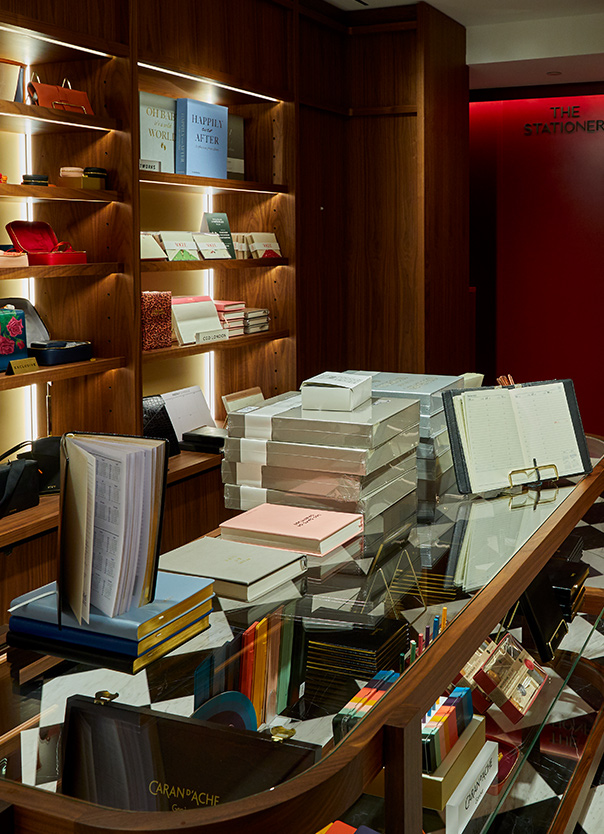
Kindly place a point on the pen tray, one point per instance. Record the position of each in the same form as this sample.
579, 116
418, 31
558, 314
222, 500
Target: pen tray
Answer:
41, 243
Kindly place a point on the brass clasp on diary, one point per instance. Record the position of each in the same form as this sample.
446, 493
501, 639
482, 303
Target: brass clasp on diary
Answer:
105, 697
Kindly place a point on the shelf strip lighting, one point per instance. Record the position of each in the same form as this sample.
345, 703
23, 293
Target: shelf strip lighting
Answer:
46, 39
210, 188
205, 81
55, 121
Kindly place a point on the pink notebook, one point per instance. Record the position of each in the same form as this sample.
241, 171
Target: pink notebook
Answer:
293, 528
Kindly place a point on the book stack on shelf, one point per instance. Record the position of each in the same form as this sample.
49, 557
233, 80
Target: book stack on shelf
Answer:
359, 461
256, 319
232, 316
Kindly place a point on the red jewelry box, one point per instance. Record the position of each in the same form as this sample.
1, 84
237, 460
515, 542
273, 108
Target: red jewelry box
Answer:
41, 243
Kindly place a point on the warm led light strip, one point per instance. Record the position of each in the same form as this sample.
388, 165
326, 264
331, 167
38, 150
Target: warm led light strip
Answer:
54, 121
211, 188
57, 43
205, 81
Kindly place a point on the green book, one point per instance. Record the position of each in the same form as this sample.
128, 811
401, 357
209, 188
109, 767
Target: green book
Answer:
217, 221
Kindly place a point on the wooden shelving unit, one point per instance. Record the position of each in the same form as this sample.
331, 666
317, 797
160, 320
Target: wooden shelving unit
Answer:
56, 373
61, 271
236, 343
203, 185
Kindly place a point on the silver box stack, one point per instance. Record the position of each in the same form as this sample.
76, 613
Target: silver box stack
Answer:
362, 460
435, 473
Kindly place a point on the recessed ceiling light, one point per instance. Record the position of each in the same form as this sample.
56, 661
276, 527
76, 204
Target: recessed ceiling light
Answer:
553, 72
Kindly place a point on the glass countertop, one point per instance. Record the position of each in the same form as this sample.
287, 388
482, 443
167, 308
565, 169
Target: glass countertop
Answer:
352, 616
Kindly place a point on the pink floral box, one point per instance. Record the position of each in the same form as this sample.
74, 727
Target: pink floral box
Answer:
13, 344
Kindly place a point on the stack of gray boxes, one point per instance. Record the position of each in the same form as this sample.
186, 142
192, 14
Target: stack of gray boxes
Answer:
435, 473
362, 460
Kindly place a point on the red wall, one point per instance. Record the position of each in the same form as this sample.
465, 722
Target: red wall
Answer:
543, 160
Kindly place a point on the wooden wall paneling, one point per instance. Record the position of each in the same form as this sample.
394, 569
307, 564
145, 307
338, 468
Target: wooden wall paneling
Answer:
193, 506
323, 79
443, 131
26, 565
267, 365
88, 23
381, 69
322, 210
259, 140
236, 42
384, 312
101, 402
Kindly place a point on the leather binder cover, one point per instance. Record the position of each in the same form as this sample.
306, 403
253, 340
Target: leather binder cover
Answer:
459, 459
137, 759
157, 423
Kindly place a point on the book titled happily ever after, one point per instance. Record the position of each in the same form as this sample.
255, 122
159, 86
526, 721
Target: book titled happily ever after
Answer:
201, 139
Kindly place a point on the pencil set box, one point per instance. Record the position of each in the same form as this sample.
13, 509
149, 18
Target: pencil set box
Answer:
443, 725
362, 702
41, 244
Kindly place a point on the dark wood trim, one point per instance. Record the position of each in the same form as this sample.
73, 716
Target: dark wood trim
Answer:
379, 28
392, 110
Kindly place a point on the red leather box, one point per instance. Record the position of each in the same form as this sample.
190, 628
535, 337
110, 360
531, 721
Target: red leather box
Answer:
41, 243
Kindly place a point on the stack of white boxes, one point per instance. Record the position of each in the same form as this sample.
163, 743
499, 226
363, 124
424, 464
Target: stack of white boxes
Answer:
358, 460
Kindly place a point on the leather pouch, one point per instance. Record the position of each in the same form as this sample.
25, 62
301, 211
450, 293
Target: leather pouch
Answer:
58, 97
19, 486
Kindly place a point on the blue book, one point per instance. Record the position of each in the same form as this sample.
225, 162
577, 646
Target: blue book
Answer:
93, 640
103, 658
201, 139
176, 596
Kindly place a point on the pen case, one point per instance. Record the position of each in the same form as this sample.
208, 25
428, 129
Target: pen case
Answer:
59, 352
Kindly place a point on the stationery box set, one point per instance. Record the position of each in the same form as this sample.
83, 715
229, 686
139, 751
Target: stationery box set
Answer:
335, 392
511, 678
428, 389
333, 459
365, 427
41, 244
242, 497
341, 486
13, 344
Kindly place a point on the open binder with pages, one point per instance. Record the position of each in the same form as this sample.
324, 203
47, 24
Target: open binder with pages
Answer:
515, 435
